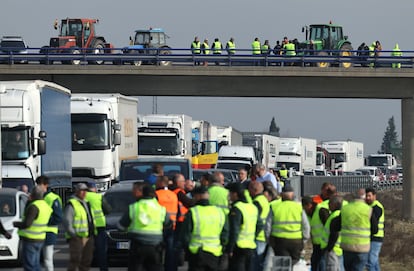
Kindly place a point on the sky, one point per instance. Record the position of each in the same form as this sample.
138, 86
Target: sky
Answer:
322, 119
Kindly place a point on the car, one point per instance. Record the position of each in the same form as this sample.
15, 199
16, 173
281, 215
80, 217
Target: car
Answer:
375, 172
229, 174
119, 197
13, 45
12, 205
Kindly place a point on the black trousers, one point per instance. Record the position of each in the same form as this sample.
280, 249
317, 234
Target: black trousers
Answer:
287, 247
241, 259
316, 257
145, 257
202, 261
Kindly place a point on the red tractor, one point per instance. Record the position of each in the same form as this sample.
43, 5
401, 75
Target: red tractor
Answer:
77, 36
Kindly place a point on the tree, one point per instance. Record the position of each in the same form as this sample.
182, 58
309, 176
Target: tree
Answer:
390, 143
273, 129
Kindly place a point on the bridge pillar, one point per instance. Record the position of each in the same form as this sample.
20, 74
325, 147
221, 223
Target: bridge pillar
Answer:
407, 115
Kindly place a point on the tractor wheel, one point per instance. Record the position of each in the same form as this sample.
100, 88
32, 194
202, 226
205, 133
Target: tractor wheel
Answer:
322, 64
135, 62
165, 51
346, 51
73, 51
98, 49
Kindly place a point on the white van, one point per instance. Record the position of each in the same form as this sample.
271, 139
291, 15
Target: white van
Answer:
236, 157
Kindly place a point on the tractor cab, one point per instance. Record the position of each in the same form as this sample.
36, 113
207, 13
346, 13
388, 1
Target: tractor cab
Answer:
74, 33
152, 38
326, 36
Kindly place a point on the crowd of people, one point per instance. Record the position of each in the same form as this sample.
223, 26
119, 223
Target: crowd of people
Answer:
238, 226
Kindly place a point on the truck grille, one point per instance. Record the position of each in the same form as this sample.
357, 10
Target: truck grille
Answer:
83, 172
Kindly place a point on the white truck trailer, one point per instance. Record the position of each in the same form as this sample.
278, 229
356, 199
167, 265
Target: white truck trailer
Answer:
34, 113
228, 135
104, 134
266, 147
297, 154
165, 135
345, 155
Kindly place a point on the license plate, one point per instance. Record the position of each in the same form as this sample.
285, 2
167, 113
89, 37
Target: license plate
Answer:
122, 245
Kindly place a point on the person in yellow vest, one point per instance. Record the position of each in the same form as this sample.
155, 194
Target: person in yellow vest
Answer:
372, 54
219, 196
145, 221
79, 225
356, 227
376, 239
256, 50
331, 240
55, 202
216, 48
245, 225
262, 204
169, 200
231, 47
396, 52
33, 228
204, 232
287, 226
196, 49
205, 49
99, 208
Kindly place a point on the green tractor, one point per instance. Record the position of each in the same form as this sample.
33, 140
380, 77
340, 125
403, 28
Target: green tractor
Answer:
325, 37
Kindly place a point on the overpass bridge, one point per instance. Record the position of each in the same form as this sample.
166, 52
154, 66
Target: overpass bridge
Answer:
224, 81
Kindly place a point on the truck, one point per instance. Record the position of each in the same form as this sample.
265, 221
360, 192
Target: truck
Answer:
298, 154
382, 160
33, 113
205, 144
266, 147
103, 134
147, 42
228, 135
345, 155
76, 36
236, 157
165, 135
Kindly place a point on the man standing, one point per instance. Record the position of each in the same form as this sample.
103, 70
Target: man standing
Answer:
33, 228
243, 179
376, 239
205, 49
204, 232
245, 224
219, 196
196, 49
231, 47
145, 221
54, 202
99, 208
80, 229
217, 47
264, 175
288, 226
356, 227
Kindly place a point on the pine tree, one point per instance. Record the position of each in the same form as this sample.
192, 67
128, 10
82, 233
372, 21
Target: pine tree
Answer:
390, 143
273, 129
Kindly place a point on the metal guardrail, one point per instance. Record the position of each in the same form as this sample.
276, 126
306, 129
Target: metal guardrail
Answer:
243, 57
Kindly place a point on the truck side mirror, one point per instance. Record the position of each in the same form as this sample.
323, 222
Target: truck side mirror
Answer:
41, 146
117, 138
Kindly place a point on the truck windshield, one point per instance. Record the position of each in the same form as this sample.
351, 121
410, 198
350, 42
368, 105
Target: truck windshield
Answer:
320, 158
158, 145
288, 165
339, 157
377, 161
141, 170
90, 132
15, 143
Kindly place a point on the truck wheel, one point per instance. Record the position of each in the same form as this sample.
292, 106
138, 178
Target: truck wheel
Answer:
165, 52
98, 49
322, 64
346, 51
135, 62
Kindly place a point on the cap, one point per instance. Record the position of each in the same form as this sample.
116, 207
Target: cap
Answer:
81, 186
287, 188
91, 185
200, 190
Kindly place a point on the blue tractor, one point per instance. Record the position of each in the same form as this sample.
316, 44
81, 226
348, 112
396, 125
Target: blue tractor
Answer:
150, 42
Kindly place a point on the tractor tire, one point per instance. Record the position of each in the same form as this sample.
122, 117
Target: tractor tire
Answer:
322, 64
98, 47
165, 51
346, 50
136, 63
75, 51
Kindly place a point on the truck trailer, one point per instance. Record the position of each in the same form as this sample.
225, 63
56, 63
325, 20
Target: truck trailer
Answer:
266, 147
345, 155
297, 154
103, 134
165, 135
34, 113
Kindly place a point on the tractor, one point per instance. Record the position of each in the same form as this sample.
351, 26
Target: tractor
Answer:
148, 42
325, 39
76, 36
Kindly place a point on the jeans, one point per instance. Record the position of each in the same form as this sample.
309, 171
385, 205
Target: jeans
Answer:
48, 257
373, 256
145, 257
170, 263
31, 255
258, 256
355, 261
101, 249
